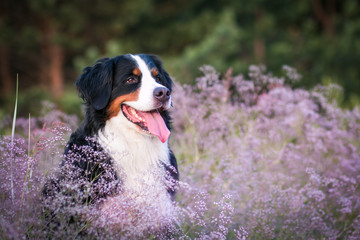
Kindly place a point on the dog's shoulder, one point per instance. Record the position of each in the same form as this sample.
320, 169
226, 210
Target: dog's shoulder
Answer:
85, 165
77, 138
85, 153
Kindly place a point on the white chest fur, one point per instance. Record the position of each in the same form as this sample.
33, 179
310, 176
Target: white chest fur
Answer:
138, 158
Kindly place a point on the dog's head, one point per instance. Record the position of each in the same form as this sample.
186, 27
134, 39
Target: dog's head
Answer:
132, 87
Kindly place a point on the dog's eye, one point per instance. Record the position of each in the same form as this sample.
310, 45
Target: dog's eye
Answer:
132, 79
158, 79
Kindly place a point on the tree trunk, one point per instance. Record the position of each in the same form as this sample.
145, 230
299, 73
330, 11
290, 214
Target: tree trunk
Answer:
52, 61
259, 44
5, 76
325, 15
56, 71
259, 50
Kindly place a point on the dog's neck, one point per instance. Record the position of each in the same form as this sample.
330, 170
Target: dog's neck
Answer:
137, 157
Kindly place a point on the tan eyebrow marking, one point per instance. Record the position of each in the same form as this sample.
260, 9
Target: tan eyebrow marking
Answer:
136, 72
154, 72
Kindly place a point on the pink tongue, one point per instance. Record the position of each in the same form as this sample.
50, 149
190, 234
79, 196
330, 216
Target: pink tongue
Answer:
156, 125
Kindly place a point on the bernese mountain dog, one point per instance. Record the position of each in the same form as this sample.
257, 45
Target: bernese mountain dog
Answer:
125, 135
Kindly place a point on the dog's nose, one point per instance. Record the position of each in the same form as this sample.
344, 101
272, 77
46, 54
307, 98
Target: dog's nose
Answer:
162, 94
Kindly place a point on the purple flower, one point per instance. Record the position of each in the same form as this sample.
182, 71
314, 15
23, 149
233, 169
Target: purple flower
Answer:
258, 159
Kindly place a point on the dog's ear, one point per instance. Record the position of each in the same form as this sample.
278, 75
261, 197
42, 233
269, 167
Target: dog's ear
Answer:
166, 77
94, 84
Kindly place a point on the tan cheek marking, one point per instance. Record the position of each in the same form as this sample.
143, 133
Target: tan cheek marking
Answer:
154, 72
115, 105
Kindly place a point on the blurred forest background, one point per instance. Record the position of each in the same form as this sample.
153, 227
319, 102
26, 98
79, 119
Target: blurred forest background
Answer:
49, 42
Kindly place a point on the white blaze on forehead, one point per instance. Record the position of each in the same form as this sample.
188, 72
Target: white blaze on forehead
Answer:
145, 100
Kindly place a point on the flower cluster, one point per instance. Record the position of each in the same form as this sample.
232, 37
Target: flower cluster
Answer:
288, 160
25, 160
257, 158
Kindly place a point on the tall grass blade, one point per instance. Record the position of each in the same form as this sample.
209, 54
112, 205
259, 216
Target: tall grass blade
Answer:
12, 139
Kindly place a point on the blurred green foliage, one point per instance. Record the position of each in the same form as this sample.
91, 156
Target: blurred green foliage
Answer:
321, 39
32, 101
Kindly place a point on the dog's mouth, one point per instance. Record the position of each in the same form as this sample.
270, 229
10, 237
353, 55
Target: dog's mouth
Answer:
150, 122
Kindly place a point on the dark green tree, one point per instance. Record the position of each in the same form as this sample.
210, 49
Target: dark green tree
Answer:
47, 41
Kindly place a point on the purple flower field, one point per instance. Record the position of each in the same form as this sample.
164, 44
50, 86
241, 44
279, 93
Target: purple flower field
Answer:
257, 160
